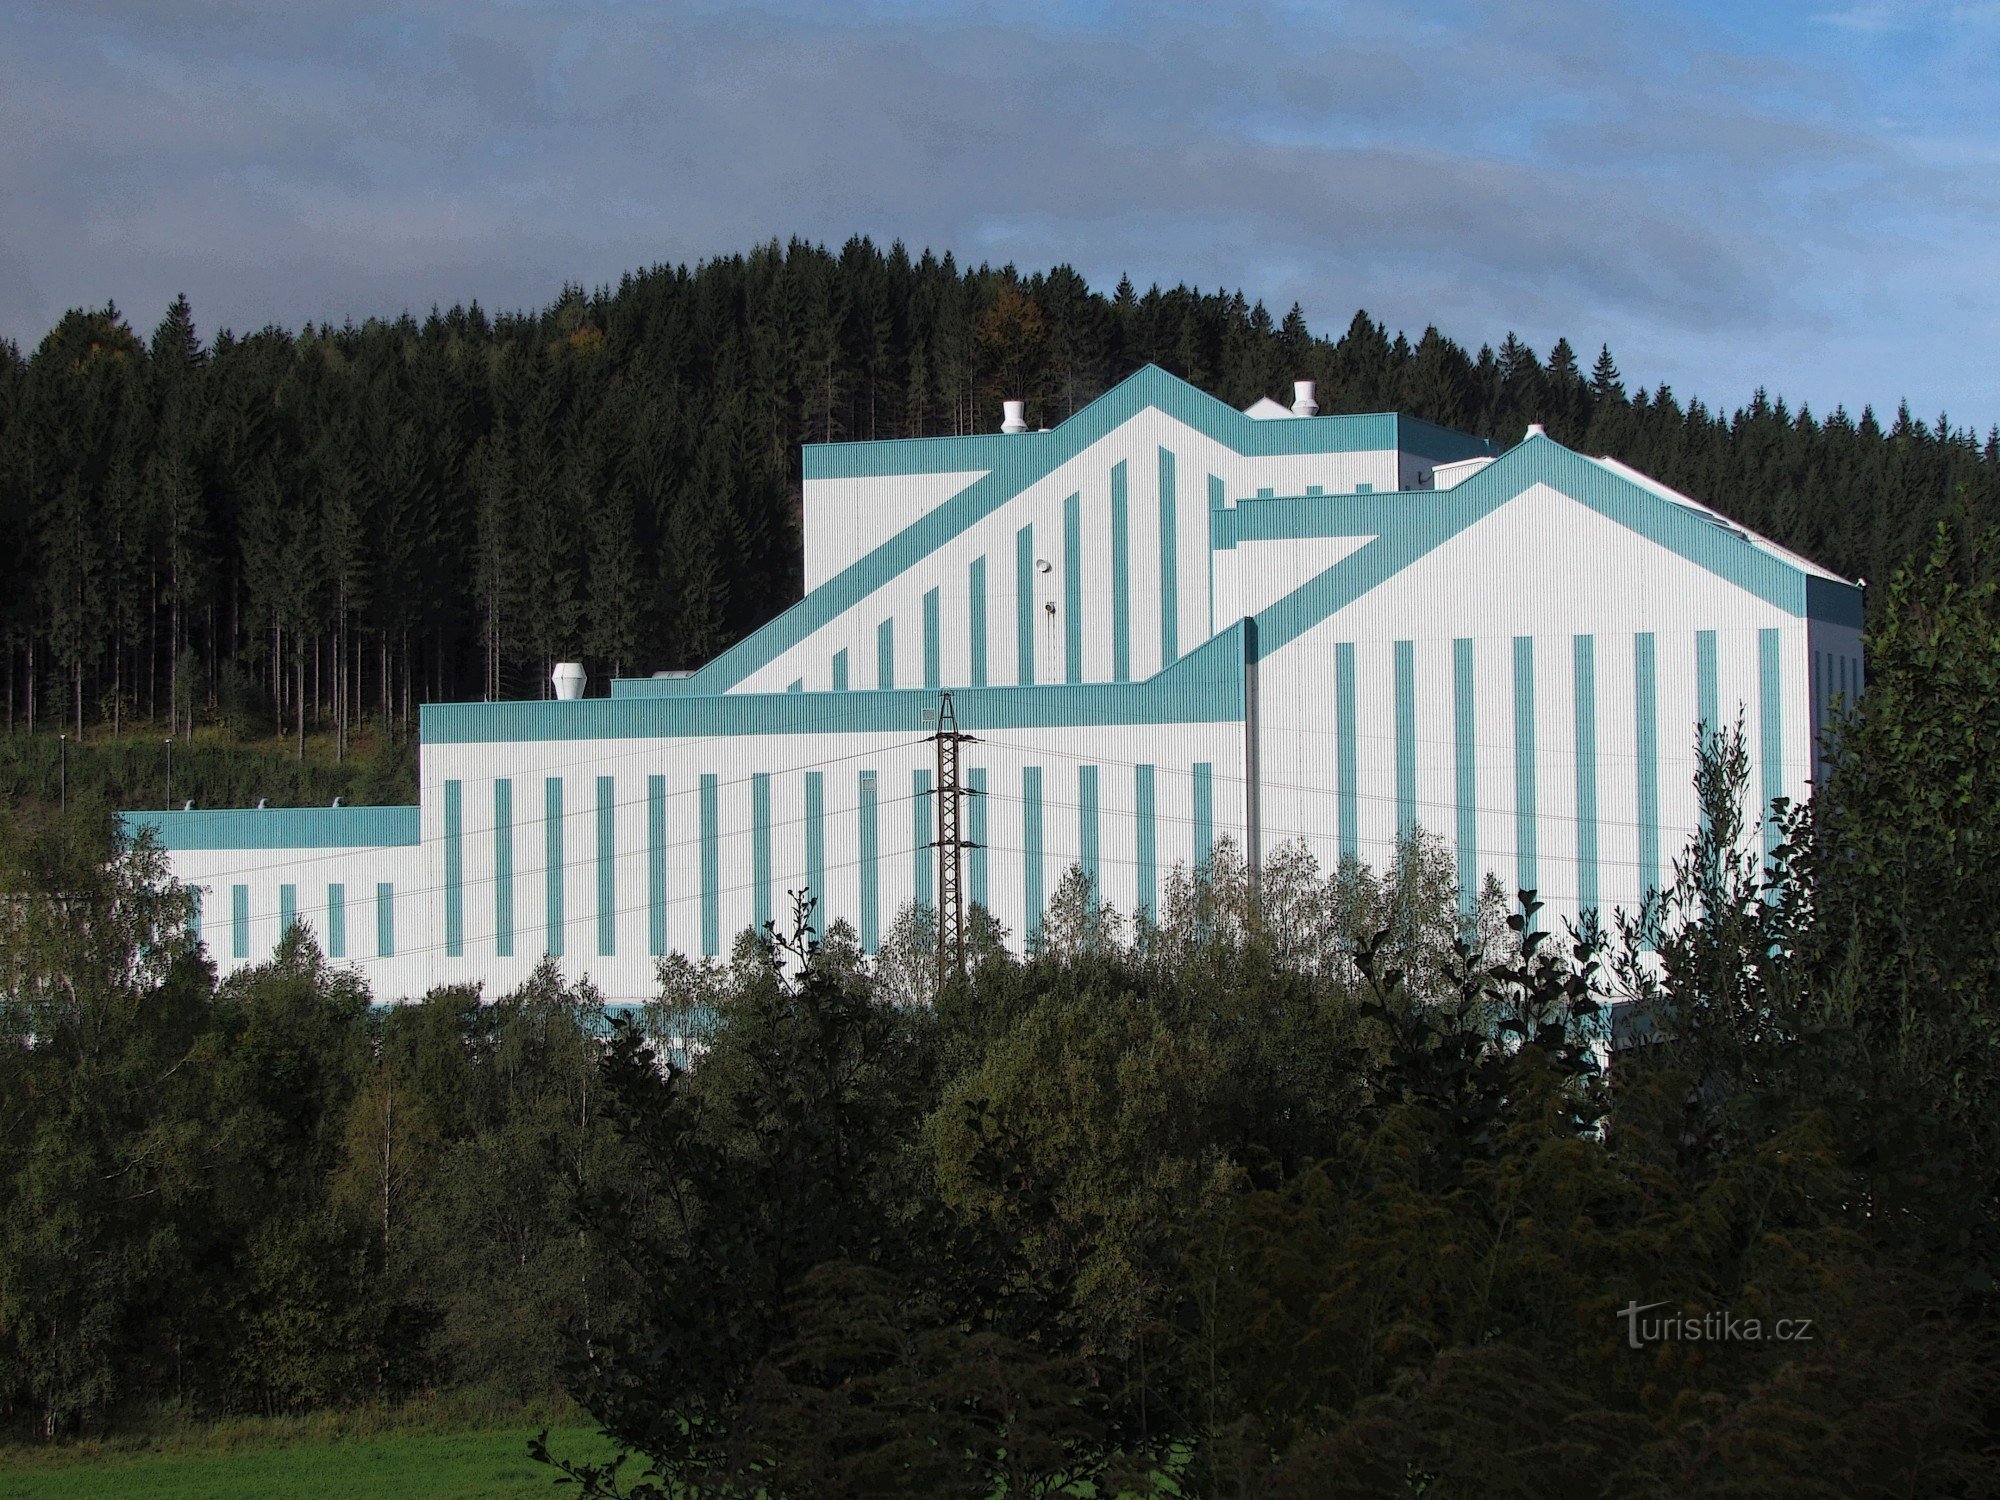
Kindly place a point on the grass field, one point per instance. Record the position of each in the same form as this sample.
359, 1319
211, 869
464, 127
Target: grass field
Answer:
277, 1461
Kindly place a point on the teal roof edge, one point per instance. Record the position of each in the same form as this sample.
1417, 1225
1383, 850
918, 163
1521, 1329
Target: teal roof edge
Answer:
1205, 686
1012, 462
1149, 385
280, 827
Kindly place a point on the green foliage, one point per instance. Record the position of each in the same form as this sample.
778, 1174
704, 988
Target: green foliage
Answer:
1321, 1184
772, 1156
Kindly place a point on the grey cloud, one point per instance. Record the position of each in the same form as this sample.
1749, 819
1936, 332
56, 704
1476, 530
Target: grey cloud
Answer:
1571, 169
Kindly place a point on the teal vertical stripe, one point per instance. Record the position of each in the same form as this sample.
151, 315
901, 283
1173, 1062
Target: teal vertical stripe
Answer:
1217, 499
1346, 753
1527, 863
656, 865
554, 871
933, 667
1406, 737
1771, 736
1707, 708
1585, 649
1145, 837
975, 833
385, 920
816, 847
1031, 851
239, 921
288, 908
194, 911
1646, 711
1204, 815
871, 889
975, 625
503, 867
1086, 830
885, 654
840, 670
1465, 734
1706, 694
1024, 605
336, 921
607, 866
760, 849
1121, 578
711, 867
923, 858
1170, 563
1073, 589
454, 869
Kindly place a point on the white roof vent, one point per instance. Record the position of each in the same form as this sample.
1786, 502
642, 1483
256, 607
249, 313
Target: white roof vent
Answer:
1305, 401
1014, 416
568, 679
1535, 429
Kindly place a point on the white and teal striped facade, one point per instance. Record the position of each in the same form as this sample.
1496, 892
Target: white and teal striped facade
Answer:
1166, 622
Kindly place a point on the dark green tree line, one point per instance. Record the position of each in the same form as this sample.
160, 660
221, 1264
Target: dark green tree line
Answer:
337, 523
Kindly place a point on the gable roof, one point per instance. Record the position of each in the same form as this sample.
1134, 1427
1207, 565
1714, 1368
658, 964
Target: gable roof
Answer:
1406, 525
1012, 462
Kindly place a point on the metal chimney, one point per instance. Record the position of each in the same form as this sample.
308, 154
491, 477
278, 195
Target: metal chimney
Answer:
1304, 402
568, 679
1014, 416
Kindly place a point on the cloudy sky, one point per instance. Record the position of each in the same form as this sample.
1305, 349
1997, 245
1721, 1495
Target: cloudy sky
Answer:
1732, 194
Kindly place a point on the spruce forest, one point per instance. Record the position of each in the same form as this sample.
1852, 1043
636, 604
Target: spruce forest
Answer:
322, 529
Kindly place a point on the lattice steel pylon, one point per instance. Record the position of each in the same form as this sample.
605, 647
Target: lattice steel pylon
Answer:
950, 845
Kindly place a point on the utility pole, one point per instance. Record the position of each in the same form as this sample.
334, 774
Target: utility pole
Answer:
949, 845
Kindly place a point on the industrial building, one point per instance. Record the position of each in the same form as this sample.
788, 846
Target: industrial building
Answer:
1166, 622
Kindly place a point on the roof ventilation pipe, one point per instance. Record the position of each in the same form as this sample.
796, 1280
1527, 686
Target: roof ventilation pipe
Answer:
1305, 398
568, 679
1535, 429
1014, 416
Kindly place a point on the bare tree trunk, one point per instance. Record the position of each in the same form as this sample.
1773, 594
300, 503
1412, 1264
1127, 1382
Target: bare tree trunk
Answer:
340, 679
174, 658
153, 646
299, 694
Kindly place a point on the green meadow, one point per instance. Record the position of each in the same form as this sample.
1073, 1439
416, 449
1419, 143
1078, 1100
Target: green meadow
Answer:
301, 1460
